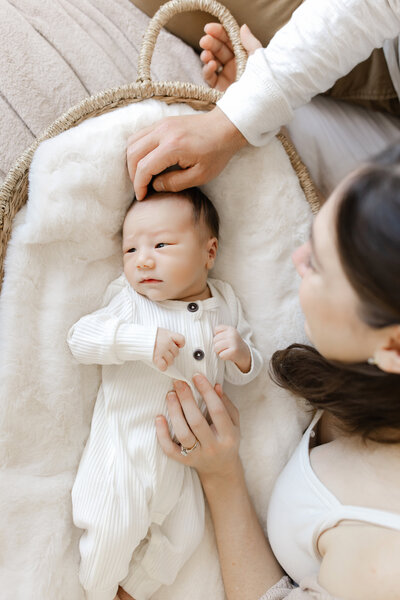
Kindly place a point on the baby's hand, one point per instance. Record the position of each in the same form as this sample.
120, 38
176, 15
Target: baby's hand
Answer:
230, 346
166, 348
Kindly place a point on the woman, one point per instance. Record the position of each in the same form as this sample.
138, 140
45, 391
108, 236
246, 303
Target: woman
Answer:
334, 514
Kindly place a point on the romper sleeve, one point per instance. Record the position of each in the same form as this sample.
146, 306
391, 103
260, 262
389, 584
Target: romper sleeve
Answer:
323, 41
110, 335
309, 589
232, 373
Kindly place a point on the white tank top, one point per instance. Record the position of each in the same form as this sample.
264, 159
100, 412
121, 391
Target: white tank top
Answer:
301, 508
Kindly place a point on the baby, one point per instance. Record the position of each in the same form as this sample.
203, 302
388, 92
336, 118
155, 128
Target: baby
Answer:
143, 514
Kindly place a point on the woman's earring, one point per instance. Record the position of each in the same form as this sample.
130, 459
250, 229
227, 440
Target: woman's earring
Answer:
371, 361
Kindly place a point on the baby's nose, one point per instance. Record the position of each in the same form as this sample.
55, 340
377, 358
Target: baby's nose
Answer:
145, 262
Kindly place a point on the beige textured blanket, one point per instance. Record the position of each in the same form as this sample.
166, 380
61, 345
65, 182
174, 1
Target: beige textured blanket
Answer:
54, 53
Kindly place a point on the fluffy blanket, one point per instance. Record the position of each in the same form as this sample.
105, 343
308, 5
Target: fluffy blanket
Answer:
64, 251
54, 53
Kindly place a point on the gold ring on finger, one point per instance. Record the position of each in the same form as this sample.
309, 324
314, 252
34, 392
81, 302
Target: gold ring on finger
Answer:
186, 451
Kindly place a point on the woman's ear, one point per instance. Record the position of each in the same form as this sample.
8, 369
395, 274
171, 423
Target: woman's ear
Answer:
387, 356
212, 248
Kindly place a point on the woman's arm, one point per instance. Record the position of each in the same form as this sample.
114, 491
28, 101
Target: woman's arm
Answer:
248, 566
247, 563
323, 41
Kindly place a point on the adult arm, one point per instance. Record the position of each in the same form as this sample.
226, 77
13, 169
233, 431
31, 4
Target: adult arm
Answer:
323, 40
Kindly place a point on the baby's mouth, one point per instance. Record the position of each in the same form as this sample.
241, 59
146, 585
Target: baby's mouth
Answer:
150, 280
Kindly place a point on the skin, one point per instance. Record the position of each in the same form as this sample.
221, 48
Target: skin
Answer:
359, 561
219, 69
162, 243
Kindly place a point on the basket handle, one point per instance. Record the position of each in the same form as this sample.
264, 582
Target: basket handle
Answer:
168, 10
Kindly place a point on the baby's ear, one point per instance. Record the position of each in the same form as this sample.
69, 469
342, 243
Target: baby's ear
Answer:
212, 249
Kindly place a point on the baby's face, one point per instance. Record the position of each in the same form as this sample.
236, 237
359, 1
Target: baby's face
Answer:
166, 256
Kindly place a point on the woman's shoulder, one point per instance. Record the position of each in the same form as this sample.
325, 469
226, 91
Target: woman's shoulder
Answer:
360, 557
360, 562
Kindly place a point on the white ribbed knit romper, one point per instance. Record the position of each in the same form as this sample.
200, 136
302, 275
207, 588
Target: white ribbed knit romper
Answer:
143, 513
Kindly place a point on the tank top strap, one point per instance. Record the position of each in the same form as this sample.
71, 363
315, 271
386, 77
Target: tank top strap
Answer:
372, 516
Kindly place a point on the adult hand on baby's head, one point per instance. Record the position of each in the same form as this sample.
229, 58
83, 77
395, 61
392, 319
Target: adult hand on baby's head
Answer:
219, 69
200, 144
166, 348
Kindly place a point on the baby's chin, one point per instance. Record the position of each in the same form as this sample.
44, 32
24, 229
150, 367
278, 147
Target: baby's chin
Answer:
154, 294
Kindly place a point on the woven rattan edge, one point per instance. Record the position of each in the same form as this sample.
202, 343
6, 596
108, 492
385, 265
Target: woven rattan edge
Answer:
310, 191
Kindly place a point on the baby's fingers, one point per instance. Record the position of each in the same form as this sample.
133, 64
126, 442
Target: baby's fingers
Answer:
173, 348
161, 363
220, 345
178, 339
168, 357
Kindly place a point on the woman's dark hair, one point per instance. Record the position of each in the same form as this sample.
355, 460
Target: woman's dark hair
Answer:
364, 399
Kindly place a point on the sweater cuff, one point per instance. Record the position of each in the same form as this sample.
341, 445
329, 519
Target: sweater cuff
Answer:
256, 104
135, 342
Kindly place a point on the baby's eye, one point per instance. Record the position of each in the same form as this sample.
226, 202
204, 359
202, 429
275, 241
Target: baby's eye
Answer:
131, 250
161, 245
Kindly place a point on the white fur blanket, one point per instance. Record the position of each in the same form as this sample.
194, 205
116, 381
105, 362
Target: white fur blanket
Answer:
64, 250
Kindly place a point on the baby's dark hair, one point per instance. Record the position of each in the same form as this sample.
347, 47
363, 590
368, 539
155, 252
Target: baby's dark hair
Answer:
203, 209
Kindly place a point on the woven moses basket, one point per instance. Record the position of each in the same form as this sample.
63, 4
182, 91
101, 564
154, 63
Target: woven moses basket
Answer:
63, 251
14, 191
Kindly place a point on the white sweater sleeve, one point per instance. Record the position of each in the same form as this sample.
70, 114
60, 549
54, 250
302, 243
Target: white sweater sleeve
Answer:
232, 373
323, 41
108, 335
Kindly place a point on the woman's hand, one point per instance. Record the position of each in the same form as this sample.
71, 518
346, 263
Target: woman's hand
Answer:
219, 69
217, 455
200, 144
